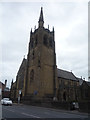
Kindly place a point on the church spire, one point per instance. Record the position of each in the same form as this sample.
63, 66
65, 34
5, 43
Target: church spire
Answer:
41, 20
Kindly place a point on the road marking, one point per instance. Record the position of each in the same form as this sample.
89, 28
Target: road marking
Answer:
30, 115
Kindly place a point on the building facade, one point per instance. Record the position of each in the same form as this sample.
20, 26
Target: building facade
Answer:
68, 86
19, 84
41, 62
38, 77
4, 90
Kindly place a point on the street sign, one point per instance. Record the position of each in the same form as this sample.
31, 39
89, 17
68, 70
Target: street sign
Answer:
35, 92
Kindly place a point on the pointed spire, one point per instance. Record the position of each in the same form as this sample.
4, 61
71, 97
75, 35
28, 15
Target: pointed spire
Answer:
53, 29
41, 20
41, 15
12, 81
31, 30
48, 27
53, 33
24, 57
35, 27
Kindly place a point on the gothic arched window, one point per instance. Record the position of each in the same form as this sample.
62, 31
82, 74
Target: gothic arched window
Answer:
45, 40
39, 63
33, 54
36, 40
50, 42
32, 44
32, 75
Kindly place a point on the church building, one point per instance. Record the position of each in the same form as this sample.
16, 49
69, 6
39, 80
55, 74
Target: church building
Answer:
38, 77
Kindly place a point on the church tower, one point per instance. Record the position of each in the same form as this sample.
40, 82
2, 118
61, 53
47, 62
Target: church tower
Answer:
41, 62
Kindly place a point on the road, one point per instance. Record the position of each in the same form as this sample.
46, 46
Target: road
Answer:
27, 111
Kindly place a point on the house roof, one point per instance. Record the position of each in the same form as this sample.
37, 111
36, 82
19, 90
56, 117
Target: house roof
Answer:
80, 80
6, 89
23, 65
66, 75
88, 83
2, 83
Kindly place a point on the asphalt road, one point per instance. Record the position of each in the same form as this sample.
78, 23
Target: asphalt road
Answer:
26, 111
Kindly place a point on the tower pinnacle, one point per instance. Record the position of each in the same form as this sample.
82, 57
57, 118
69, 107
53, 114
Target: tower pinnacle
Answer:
41, 20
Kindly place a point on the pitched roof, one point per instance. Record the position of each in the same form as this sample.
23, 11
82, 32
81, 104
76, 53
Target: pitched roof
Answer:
88, 83
66, 74
80, 80
23, 65
2, 83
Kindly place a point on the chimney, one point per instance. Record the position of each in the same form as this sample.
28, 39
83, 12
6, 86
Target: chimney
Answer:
5, 83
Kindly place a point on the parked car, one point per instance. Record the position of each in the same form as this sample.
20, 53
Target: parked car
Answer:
6, 101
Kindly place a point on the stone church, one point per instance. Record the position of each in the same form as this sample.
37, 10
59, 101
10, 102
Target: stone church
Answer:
38, 77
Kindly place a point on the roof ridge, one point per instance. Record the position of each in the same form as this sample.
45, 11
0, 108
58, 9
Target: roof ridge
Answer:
64, 70
66, 74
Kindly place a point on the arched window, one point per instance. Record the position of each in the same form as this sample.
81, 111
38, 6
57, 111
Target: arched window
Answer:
32, 44
32, 76
50, 42
33, 54
45, 40
36, 40
39, 64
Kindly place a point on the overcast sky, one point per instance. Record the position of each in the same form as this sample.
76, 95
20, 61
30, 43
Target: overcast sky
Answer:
70, 20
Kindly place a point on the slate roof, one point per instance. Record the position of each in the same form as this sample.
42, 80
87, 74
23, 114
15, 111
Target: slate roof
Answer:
66, 75
80, 81
23, 65
88, 83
